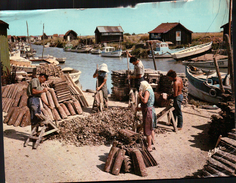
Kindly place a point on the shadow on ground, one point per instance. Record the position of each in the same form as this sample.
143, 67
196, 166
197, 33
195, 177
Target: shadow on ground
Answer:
201, 140
102, 158
13, 134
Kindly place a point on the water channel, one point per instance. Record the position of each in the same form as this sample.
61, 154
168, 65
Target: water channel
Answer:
87, 63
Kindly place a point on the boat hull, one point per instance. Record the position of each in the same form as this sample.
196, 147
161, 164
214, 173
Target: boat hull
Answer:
192, 51
112, 54
199, 88
207, 64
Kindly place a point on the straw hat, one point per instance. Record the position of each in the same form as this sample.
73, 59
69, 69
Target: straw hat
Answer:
103, 67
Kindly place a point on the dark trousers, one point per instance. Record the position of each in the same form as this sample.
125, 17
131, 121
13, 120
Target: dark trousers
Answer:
34, 106
137, 83
177, 112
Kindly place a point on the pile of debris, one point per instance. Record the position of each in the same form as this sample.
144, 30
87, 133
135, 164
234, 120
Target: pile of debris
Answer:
97, 128
222, 160
223, 123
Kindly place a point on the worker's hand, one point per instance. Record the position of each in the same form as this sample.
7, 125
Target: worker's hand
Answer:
45, 89
98, 88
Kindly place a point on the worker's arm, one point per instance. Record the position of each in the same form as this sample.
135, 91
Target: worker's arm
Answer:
135, 76
104, 82
36, 92
95, 74
145, 98
128, 54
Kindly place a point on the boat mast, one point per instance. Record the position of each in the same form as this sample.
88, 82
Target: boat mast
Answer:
42, 41
28, 37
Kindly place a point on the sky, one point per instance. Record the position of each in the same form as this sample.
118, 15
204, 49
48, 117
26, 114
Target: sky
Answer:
196, 15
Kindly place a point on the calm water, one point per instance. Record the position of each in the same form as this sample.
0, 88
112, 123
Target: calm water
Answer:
87, 63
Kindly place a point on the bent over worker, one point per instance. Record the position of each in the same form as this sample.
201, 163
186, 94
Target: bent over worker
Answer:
102, 73
34, 92
147, 97
138, 70
178, 97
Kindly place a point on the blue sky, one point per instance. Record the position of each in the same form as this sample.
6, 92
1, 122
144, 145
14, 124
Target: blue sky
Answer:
195, 15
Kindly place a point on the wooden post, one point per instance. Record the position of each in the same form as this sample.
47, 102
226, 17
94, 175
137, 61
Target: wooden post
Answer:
153, 56
230, 63
230, 15
218, 73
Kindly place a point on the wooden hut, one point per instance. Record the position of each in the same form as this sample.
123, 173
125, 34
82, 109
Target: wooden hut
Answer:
173, 32
4, 49
106, 34
44, 36
70, 35
226, 30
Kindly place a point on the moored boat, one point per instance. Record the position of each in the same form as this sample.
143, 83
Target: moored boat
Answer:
223, 63
61, 60
74, 74
163, 50
206, 87
95, 51
191, 52
109, 51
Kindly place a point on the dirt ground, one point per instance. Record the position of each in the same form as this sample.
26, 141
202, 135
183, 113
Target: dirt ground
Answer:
178, 155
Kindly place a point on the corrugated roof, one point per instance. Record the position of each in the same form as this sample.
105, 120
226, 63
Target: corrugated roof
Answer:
166, 27
110, 29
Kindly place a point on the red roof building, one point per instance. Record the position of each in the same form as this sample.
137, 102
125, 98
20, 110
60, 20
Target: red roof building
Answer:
173, 32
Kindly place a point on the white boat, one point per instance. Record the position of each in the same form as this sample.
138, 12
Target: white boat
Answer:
20, 63
206, 87
109, 51
95, 51
47, 45
191, 52
61, 60
49, 59
74, 74
163, 50
223, 63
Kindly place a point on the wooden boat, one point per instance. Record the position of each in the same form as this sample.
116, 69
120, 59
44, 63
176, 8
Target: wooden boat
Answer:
74, 74
109, 51
163, 51
85, 49
68, 47
206, 87
61, 60
191, 52
223, 63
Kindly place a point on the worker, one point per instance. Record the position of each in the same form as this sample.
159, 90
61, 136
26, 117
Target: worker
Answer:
138, 70
177, 96
102, 74
34, 92
147, 97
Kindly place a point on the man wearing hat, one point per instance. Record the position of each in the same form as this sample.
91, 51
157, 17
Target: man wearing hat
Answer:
138, 70
102, 73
